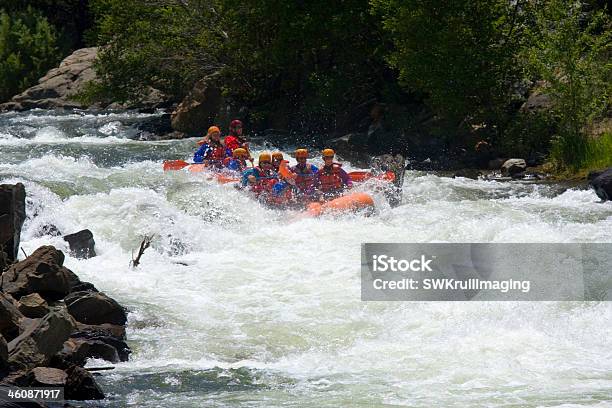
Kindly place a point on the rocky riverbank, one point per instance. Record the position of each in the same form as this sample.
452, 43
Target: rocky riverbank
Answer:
51, 322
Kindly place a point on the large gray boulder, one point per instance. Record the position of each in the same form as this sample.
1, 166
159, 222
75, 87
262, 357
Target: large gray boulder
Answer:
12, 216
40, 340
82, 244
42, 272
59, 85
601, 182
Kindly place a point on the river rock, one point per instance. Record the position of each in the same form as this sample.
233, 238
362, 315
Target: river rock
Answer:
40, 340
601, 182
95, 308
82, 244
33, 306
76, 285
12, 216
513, 167
80, 385
78, 350
47, 377
56, 88
42, 273
106, 329
10, 317
198, 109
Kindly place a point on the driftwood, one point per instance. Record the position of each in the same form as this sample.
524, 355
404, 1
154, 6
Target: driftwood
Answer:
146, 242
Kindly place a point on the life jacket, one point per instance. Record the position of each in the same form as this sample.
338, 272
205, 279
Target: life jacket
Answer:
265, 181
330, 179
218, 152
233, 142
304, 177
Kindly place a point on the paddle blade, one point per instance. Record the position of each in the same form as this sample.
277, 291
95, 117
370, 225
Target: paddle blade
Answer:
284, 171
174, 165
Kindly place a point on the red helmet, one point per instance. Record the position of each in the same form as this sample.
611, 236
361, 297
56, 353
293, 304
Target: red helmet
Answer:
235, 123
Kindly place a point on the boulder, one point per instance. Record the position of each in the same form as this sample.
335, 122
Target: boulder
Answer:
95, 308
601, 182
198, 109
513, 167
82, 244
33, 306
3, 353
10, 317
47, 377
80, 385
42, 273
40, 340
59, 85
106, 329
12, 216
78, 350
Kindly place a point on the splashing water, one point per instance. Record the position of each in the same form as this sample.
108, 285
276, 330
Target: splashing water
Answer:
239, 305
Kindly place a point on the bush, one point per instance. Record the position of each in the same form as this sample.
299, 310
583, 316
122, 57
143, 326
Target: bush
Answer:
28, 48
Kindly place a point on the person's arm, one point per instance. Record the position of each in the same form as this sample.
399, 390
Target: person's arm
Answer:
245, 177
346, 179
200, 154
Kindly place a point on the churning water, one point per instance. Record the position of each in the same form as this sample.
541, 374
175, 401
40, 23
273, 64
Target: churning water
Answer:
238, 305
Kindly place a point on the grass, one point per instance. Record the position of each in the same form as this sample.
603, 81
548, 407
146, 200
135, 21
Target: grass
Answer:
574, 157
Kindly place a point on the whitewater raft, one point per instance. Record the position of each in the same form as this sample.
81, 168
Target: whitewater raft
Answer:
350, 202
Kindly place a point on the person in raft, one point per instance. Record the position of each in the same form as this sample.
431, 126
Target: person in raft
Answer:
238, 160
306, 174
261, 177
277, 158
211, 149
331, 180
235, 139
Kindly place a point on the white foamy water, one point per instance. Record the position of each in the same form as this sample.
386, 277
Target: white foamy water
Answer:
238, 305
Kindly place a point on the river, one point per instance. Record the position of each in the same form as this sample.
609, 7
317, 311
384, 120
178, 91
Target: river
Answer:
236, 305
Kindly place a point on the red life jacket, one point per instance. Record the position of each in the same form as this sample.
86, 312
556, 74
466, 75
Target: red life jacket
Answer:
218, 152
304, 177
264, 182
330, 179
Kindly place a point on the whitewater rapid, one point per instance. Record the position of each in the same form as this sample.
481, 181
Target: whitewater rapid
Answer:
237, 305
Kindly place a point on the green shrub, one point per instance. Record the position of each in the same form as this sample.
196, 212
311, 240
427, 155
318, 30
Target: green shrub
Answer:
28, 48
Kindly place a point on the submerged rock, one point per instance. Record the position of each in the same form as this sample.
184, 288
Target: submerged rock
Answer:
82, 244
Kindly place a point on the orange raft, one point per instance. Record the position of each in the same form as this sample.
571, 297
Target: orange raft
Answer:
220, 177
349, 202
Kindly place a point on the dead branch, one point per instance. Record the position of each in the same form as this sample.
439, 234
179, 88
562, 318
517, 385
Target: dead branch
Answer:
146, 242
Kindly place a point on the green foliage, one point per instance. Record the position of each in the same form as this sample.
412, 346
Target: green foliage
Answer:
570, 50
461, 54
589, 153
28, 48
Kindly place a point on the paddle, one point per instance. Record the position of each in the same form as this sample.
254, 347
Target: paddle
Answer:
359, 176
175, 164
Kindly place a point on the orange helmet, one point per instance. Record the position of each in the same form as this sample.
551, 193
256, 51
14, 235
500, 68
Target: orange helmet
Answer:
212, 130
301, 154
328, 153
277, 156
265, 157
239, 152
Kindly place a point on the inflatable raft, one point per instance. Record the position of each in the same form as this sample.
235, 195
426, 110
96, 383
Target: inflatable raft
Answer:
347, 203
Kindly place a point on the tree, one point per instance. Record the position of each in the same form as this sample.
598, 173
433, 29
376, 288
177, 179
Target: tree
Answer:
28, 48
460, 54
571, 51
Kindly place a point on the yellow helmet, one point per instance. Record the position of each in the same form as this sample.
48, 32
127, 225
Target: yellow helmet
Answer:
239, 152
277, 156
212, 130
301, 153
265, 157
328, 153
